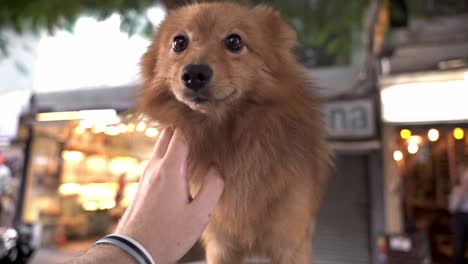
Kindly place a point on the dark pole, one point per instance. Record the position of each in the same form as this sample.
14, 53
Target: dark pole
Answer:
24, 172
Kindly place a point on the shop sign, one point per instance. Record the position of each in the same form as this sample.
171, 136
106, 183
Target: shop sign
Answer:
350, 119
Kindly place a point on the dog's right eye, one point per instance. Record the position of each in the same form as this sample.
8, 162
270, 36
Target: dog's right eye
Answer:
179, 43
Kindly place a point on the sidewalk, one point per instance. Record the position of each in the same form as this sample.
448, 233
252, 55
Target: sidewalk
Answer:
50, 256
73, 249
62, 254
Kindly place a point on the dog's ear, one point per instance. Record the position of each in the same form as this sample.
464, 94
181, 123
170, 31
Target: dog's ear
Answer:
148, 62
276, 26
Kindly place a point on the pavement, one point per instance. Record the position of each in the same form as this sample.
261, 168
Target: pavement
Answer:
51, 256
71, 250
60, 254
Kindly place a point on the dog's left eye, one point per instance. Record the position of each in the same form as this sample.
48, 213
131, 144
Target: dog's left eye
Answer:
233, 43
179, 43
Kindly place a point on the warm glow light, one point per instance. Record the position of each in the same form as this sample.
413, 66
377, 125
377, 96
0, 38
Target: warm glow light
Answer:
121, 165
99, 128
413, 148
130, 127
96, 163
415, 139
72, 156
108, 116
98, 191
86, 124
112, 131
433, 134
98, 205
397, 155
122, 128
141, 126
466, 76
443, 101
90, 206
80, 130
151, 132
98, 196
458, 133
106, 204
58, 116
69, 189
98, 114
129, 194
405, 133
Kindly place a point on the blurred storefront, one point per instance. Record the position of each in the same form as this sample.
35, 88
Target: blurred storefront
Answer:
84, 163
424, 88
425, 146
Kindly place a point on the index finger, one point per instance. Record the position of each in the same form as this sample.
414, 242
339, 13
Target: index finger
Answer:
178, 149
162, 144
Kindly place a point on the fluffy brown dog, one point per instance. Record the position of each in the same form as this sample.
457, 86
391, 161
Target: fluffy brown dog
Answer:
225, 75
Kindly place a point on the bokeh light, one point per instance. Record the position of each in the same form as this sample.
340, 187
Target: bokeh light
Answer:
433, 134
413, 148
458, 133
397, 155
405, 133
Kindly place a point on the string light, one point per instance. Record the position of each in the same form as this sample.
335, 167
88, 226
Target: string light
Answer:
112, 131
80, 130
458, 133
130, 127
413, 148
141, 126
405, 133
99, 128
122, 128
397, 155
433, 134
151, 132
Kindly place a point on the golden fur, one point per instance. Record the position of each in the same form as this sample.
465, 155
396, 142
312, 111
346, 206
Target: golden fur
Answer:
263, 128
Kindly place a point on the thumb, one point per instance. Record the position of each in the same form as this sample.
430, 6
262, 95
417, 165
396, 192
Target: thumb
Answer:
208, 196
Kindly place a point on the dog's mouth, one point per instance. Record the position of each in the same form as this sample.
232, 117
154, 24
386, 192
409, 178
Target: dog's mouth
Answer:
197, 98
201, 99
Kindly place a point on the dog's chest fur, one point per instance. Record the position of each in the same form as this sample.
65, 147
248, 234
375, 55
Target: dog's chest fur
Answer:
260, 164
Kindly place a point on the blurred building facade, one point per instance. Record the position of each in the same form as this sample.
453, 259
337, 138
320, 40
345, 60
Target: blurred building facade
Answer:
423, 87
76, 167
81, 167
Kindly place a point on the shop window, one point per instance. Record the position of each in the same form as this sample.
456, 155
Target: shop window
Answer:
429, 162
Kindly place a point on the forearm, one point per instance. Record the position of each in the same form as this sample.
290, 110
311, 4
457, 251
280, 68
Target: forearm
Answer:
104, 254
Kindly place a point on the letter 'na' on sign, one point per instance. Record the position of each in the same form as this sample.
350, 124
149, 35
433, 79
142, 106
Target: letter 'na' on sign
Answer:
350, 119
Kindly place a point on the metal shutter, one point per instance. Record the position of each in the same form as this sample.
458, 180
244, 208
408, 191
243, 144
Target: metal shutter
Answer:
342, 231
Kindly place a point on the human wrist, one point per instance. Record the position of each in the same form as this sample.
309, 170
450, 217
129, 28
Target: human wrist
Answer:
160, 254
105, 253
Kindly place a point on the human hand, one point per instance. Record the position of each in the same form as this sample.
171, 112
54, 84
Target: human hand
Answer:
162, 216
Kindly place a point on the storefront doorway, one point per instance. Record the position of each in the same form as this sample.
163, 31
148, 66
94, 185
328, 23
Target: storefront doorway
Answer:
82, 175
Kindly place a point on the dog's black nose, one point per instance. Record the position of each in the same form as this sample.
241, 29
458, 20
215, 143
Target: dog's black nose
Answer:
196, 76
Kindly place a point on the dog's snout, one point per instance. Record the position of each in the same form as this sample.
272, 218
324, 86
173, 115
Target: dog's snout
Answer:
196, 76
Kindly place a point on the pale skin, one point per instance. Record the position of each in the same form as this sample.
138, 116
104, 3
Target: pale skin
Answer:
459, 192
163, 217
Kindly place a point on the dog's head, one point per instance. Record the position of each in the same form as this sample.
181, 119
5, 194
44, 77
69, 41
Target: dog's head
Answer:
209, 57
